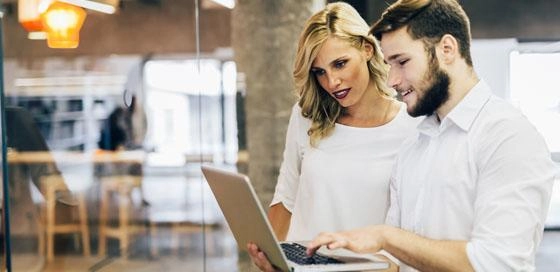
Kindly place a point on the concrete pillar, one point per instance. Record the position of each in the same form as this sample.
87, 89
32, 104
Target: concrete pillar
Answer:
264, 40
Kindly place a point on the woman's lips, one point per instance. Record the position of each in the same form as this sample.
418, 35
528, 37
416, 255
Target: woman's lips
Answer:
341, 94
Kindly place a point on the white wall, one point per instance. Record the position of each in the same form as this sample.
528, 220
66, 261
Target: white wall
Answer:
491, 60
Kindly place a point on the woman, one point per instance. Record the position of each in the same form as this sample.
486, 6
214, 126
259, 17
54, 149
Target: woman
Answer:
343, 134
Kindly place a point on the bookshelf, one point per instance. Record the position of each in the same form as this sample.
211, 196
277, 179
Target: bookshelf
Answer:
69, 111
68, 122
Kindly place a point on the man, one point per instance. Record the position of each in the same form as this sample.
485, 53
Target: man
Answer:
471, 191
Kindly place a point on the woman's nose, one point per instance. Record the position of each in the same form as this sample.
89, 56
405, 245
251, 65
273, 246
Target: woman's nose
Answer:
334, 82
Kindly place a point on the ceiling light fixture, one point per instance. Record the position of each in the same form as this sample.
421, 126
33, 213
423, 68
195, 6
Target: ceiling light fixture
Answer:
230, 4
37, 35
62, 23
104, 6
29, 13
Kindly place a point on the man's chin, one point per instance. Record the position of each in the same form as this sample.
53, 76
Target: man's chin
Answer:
414, 112
411, 110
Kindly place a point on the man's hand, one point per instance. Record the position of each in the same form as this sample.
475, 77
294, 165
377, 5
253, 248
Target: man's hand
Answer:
412, 249
364, 240
259, 258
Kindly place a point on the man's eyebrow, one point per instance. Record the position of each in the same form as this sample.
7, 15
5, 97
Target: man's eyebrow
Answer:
393, 57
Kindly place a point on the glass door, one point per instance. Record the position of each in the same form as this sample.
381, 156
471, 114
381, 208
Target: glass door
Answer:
102, 144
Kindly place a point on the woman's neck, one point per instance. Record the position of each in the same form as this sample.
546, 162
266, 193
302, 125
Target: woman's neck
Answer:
372, 111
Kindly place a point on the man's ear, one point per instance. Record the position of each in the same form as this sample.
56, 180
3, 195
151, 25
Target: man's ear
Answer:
448, 49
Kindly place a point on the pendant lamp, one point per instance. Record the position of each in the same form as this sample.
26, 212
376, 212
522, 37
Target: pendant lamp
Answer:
63, 22
29, 14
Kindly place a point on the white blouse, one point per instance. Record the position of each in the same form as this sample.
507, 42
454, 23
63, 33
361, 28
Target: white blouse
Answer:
343, 183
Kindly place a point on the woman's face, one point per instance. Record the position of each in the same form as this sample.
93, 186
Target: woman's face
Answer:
342, 71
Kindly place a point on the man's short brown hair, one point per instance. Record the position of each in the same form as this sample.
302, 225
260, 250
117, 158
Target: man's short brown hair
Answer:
428, 20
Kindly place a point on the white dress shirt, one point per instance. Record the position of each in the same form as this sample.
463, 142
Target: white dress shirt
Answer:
483, 175
343, 183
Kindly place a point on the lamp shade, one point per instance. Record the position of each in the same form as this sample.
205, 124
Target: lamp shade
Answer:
29, 13
63, 22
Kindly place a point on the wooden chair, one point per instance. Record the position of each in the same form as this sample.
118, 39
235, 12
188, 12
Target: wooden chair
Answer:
122, 186
50, 185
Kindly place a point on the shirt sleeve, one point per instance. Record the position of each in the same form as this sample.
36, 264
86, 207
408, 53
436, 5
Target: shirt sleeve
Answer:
288, 179
514, 189
393, 217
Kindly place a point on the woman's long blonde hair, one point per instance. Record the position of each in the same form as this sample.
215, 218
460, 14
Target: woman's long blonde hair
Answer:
336, 20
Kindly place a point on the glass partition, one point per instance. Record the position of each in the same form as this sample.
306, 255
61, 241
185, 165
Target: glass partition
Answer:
535, 92
5, 249
104, 142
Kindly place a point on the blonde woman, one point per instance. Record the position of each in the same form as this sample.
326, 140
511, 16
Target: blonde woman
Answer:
343, 135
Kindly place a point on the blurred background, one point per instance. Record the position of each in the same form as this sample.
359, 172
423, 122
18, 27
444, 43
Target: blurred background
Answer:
111, 107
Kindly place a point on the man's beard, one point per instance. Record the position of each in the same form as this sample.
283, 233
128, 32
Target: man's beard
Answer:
435, 95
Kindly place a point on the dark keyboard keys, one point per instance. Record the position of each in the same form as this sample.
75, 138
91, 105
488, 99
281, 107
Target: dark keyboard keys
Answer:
297, 254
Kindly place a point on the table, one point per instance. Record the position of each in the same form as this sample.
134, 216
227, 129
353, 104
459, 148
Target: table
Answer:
31, 164
75, 157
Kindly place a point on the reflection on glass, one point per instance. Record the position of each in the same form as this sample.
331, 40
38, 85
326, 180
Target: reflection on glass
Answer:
535, 91
86, 196
105, 168
172, 89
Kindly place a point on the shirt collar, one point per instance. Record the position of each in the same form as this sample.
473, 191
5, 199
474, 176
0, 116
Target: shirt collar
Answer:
462, 115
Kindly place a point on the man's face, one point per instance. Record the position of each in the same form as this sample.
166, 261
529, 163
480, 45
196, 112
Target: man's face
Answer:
416, 76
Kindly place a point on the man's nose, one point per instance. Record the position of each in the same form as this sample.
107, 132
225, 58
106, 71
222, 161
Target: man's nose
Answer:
393, 79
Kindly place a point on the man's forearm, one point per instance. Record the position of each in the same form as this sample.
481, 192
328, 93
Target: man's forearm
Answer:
426, 254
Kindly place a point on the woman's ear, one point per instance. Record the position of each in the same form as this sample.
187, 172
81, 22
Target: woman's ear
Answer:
368, 50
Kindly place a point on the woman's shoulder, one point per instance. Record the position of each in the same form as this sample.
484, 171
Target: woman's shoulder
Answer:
405, 119
297, 115
299, 124
296, 109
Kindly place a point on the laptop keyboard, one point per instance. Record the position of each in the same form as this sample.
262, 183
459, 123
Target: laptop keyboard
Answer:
296, 253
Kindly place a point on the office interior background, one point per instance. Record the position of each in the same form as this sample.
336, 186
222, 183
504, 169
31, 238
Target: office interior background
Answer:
192, 82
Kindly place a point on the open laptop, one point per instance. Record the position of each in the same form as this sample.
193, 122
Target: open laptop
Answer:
246, 219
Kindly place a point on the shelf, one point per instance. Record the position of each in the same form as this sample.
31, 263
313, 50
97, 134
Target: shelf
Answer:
61, 117
70, 122
65, 144
100, 85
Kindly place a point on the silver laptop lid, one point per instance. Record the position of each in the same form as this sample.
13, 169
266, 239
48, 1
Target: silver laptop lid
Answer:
244, 213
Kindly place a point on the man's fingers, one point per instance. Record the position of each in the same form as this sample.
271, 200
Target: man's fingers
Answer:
322, 239
338, 244
331, 240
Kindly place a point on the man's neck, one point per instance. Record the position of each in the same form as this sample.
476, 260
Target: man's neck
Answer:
461, 84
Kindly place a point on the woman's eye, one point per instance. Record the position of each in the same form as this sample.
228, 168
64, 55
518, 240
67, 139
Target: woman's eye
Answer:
318, 72
403, 62
340, 63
